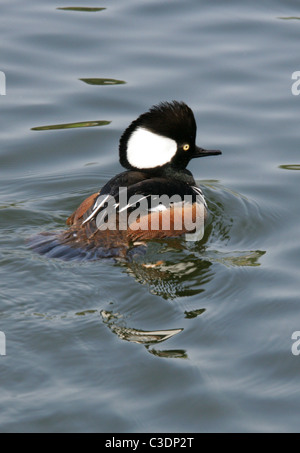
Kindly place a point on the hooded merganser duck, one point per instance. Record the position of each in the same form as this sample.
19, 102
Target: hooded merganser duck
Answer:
155, 149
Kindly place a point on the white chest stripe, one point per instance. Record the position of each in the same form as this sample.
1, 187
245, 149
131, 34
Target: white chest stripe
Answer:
199, 194
129, 205
96, 209
159, 208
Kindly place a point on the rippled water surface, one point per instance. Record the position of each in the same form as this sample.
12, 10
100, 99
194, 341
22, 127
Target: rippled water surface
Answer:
201, 342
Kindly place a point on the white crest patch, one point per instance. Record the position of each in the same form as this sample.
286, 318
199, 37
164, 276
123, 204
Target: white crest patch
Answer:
148, 150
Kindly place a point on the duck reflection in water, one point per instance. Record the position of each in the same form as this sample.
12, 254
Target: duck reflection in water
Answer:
175, 268
117, 325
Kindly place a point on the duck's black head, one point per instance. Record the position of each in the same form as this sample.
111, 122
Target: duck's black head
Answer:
162, 137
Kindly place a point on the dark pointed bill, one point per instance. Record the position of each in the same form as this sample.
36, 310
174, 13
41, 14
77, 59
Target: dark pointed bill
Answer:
200, 152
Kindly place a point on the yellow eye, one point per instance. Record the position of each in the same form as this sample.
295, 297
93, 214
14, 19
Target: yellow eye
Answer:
186, 147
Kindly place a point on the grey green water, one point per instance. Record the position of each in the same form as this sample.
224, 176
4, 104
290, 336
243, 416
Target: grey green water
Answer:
221, 313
